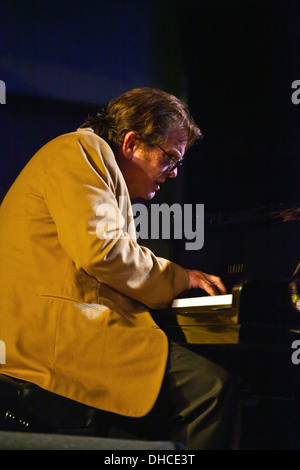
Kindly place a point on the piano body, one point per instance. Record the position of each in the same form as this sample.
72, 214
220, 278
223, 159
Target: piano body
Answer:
253, 330
261, 312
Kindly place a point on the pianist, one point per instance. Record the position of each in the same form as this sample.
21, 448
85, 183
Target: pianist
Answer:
75, 302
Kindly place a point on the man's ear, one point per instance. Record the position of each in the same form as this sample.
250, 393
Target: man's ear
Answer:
129, 144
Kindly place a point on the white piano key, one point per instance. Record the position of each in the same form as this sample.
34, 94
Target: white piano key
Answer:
206, 301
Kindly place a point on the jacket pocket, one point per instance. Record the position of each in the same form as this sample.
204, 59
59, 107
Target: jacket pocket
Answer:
89, 310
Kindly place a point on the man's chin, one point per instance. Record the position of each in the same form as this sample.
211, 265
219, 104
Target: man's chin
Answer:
150, 195
147, 195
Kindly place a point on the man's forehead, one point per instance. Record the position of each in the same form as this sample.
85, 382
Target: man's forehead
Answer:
176, 141
177, 134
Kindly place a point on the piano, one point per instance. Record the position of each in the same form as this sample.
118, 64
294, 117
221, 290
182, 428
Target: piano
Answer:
256, 254
254, 330
257, 311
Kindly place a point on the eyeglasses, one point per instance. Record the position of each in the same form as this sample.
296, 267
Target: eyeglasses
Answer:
177, 164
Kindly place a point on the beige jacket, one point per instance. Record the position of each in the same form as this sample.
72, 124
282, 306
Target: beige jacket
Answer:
74, 305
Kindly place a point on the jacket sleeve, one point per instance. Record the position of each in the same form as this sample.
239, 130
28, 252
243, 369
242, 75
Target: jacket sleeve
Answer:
82, 198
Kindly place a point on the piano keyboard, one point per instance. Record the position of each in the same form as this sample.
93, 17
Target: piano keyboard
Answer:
208, 319
252, 308
216, 302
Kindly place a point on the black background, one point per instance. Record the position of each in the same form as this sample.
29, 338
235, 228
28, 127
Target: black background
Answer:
232, 61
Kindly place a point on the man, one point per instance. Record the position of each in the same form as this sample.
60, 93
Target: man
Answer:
76, 288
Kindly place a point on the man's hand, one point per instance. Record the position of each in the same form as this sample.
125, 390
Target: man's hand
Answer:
211, 284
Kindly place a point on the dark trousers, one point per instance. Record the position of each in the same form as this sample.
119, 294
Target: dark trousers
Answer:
198, 406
